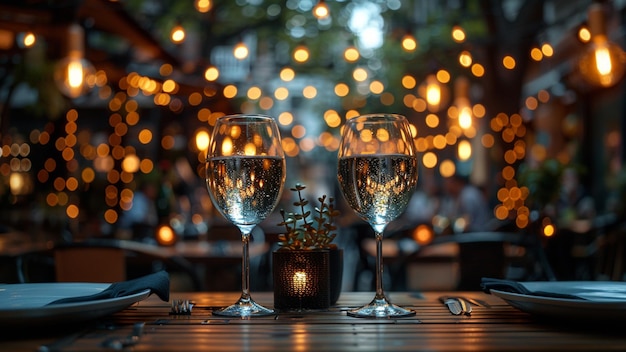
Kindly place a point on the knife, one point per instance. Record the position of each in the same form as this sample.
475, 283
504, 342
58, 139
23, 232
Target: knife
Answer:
456, 305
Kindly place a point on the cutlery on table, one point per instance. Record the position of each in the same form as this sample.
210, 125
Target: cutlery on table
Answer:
457, 305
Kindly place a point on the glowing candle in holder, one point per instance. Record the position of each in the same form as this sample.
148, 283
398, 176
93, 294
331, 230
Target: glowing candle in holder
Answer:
301, 279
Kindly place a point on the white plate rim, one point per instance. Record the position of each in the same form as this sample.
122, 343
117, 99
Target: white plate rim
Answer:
563, 302
564, 308
67, 312
582, 288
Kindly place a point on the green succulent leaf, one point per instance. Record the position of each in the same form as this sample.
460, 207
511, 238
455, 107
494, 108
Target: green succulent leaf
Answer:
304, 234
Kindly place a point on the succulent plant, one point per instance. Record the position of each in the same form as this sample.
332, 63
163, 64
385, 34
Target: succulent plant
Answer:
304, 231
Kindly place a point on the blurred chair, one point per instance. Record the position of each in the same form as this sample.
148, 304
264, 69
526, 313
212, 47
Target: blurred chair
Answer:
470, 256
83, 263
222, 271
103, 260
607, 249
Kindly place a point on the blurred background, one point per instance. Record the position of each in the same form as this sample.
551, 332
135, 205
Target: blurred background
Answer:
516, 108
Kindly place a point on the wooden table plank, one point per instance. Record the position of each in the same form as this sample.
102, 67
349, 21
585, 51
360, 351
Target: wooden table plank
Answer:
493, 326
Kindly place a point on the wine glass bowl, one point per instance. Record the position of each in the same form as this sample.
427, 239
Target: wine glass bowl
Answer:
245, 173
377, 173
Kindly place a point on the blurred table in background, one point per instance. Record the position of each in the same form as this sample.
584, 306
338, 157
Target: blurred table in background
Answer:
214, 264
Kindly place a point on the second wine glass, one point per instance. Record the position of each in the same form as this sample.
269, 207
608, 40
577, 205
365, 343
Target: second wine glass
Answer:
377, 173
245, 173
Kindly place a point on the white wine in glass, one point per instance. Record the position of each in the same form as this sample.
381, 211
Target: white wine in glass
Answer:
245, 173
377, 174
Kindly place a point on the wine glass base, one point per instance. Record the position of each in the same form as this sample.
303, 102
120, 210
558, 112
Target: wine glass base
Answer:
381, 308
244, 308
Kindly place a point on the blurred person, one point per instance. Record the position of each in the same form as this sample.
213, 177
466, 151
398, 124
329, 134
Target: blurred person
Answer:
574, 211
574, 203
424, 204
141, 219
465, 205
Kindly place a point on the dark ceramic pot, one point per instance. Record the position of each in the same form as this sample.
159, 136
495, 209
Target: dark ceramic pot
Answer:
336, 274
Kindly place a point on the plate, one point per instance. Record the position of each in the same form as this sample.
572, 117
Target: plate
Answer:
600, 300
25, 304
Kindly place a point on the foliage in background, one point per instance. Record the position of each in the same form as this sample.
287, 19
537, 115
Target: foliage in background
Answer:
543, 182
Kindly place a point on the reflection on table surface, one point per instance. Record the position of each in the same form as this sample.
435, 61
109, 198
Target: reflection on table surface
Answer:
492, 326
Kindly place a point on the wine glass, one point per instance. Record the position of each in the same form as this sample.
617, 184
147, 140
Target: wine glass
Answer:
245, 173
377, 173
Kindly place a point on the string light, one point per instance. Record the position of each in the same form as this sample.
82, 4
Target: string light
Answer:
211, 73
203, 6
29, 39
351, 54
241, 51
465, 59
409, 43
321, 10
177, 34
301, 54
547, 50
508, 62
287, 74
536, 54
458, 34
583, 34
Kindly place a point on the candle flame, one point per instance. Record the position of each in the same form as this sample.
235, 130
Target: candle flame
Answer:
299, 282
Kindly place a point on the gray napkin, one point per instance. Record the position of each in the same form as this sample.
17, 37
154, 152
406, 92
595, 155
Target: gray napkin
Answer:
488, 284
158, 283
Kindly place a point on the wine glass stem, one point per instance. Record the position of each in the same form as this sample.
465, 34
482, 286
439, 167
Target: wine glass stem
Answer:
245, 267
380, 294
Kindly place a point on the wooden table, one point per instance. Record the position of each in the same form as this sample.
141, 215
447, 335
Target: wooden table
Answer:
493, 326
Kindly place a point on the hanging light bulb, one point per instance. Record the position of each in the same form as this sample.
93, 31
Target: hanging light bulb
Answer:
462, 102
603, 63
434, 92
464, 150
74, 75
321, 10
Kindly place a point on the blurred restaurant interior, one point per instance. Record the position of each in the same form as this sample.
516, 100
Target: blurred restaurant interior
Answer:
106, 110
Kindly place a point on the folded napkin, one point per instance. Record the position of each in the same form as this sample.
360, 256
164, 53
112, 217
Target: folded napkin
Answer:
488, 284
158, 283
